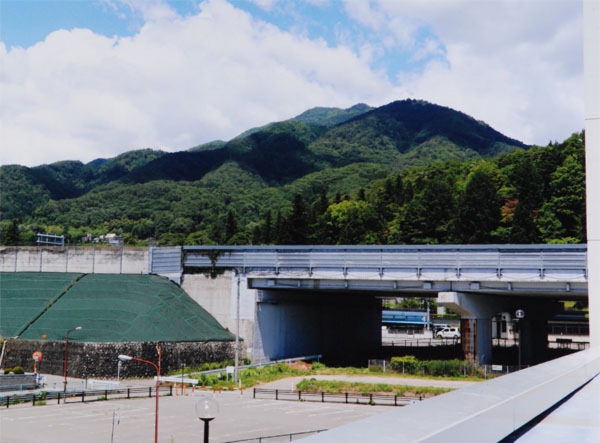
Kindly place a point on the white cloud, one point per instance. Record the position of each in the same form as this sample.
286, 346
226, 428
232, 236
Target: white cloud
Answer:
516, 65
177, 83
265, 4
182, 81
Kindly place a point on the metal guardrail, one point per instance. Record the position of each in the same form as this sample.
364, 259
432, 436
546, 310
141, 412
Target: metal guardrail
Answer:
316, 357
83, 396
346, 397
455, 257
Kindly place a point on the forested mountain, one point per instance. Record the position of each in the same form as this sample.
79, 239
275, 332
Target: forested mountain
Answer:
407, 172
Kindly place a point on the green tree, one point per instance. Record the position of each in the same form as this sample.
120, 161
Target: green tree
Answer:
230, 226
563, 215
479, 205
297, 222
528, 188
428, 217
352, 222
11, 236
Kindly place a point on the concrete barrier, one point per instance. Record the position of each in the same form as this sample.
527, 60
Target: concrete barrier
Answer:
17, 382
77, 259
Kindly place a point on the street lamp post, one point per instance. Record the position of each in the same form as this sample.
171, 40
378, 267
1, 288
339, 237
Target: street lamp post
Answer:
66, 371
520, 315
237, 332
157, 367
206, 409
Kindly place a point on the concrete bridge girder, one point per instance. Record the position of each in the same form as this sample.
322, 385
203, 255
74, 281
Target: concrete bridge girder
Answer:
556, 289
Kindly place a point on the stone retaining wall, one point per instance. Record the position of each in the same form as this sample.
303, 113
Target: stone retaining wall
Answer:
99, 360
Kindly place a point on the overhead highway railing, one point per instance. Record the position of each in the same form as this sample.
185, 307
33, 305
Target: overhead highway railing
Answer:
496, 259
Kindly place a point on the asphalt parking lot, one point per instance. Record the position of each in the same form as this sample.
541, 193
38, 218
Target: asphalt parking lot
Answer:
125, 421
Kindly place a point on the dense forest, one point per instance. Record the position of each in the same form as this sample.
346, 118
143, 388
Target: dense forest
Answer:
406, 173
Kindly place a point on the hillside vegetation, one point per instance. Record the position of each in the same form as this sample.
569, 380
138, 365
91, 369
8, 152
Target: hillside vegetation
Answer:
408, 172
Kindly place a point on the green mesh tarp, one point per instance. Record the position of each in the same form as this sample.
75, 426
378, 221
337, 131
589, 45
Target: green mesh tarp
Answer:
26, 295
124, 308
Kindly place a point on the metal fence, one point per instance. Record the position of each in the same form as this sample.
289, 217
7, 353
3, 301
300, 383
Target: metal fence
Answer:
345, 397
278, 438
47, 397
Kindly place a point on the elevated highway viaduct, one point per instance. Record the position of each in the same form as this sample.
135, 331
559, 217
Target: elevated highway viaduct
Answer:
301, 300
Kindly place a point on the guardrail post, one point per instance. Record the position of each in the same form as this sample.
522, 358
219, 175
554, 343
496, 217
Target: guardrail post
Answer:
58, 397
323, 397
128, 393
254, 393
150, 392
395, 400
276, 394
106, 394
82, 396
171, 391
299, 395
7, 401
33, 400
346, 398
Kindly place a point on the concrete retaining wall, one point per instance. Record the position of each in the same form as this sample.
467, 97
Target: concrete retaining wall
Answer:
87, 260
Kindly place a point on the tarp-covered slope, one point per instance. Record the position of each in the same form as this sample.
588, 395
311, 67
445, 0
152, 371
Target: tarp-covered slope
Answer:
109, 308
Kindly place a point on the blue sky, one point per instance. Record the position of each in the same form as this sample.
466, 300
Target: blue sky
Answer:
84, 79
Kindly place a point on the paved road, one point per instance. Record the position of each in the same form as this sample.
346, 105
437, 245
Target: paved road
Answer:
130, 421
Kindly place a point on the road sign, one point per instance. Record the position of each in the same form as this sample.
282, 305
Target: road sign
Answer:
37, 356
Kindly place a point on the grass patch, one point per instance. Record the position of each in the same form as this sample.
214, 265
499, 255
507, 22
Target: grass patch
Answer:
254, 376
340, 387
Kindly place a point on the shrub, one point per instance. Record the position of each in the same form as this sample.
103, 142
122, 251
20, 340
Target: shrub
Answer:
436, 368
444, 368
409, 364
317, 365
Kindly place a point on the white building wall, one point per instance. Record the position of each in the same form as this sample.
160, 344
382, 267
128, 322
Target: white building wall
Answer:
592, 141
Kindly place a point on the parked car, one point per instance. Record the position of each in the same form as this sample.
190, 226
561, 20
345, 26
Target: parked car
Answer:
448, 332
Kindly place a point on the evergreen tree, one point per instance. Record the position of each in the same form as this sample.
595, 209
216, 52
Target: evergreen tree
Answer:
479, 206
297, 222
230, 226
11, 237
267, 237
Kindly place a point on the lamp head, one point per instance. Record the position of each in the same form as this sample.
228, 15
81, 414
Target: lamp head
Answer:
207, 408
125, 357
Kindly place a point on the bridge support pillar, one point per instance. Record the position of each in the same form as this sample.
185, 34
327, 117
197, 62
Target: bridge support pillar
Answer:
476, 313
477, 310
